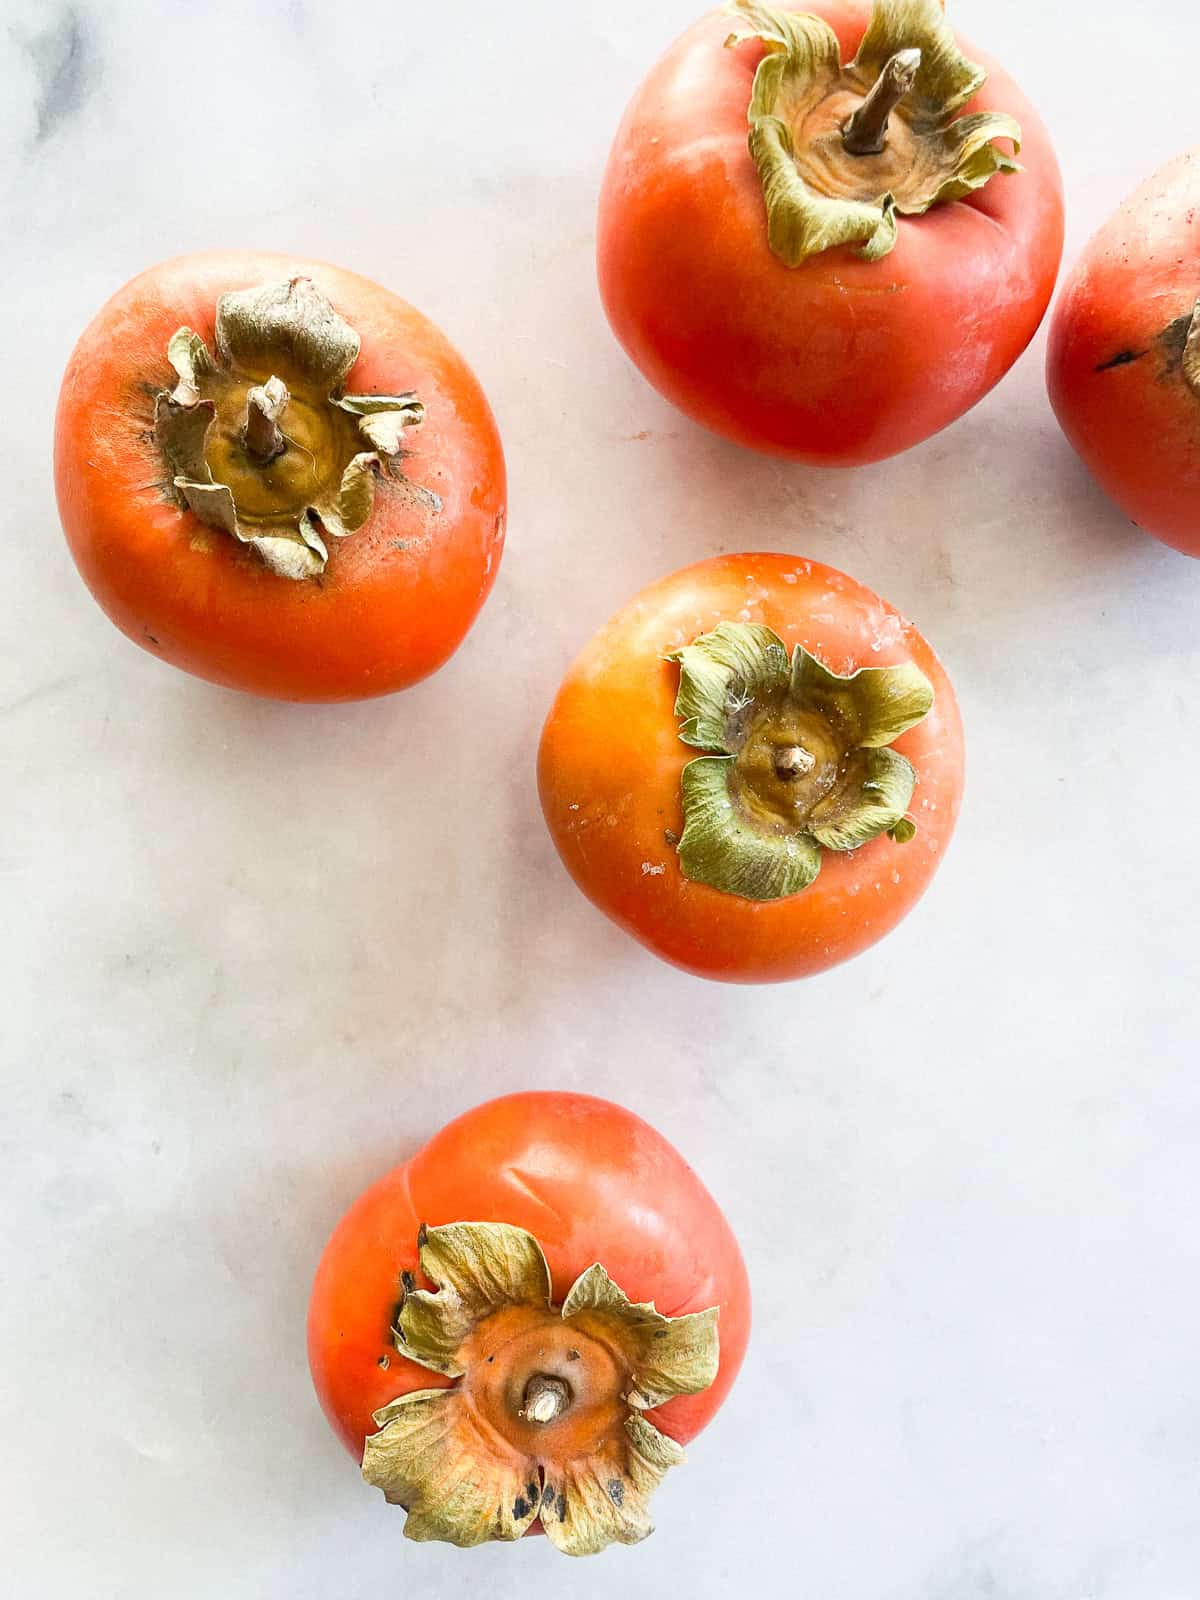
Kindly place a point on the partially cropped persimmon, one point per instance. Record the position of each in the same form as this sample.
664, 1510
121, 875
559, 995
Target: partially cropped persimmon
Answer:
279, 476
1123, 358
754, 768
520, 1326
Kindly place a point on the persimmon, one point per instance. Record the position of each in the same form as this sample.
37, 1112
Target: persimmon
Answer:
520, 1326
754, 768
279, 476
814, 235
1123, 361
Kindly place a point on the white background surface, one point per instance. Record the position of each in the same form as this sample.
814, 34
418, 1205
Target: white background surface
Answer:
255, 954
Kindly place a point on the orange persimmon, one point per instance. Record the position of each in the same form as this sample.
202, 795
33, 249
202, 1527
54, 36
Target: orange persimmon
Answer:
827, 792
809, 284
1123, 361
538, 1385
279, 476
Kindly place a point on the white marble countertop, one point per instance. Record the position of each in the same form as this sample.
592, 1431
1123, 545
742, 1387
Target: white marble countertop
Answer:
256, 953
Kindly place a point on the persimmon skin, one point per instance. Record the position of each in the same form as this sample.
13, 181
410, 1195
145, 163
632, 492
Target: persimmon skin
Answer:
839, 361
611, 760
591, 1181
1113, 378
397, 596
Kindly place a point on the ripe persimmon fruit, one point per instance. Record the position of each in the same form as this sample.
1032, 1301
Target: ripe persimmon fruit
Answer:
520, 1326
279, 476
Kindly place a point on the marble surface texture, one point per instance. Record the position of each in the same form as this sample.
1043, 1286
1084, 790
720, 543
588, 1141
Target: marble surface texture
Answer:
253, 953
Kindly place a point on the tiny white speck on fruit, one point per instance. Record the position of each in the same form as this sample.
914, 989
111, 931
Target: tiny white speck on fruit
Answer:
649, 870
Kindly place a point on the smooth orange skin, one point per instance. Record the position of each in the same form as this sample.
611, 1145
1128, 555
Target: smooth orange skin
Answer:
838, 361
380, 617
589, 1180
1136, 425
611, 759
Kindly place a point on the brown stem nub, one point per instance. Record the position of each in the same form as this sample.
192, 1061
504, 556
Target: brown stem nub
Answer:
794, 761
865, 132
545, 1399
262, 435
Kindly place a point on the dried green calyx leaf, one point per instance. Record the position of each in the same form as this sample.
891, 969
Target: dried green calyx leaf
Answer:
803, 760
843, 150
669, 1355
1190, 360
545, 1420
478, 1268
258, 442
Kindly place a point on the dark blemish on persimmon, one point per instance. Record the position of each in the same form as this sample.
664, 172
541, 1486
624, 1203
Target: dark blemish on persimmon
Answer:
616, 1492
1121, 359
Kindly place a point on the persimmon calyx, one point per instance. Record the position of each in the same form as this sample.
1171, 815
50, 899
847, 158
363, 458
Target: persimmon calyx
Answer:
259, 440
843, 150
546, 1416
803, 760
1189, 361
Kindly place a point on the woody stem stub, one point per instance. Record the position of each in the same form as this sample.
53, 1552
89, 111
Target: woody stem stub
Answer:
261, 434
865, 132
545, 1399
793, 761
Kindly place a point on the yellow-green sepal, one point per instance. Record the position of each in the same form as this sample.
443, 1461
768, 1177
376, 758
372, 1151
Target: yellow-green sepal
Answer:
877, 703
802, 759
874, 798
803, 223
732, 665
813, 207
719, 846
